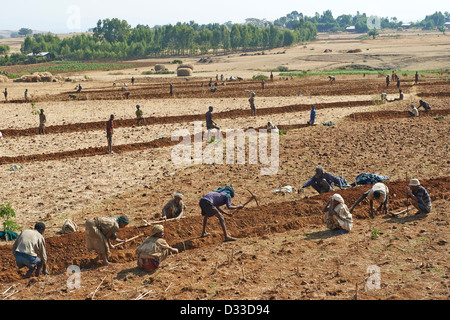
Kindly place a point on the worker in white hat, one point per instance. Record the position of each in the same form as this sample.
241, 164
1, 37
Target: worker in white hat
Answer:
337, 216
420, 198
175, 207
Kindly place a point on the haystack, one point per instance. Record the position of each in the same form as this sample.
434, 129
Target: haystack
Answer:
186, 66
354, 51
3, 78
184, 72
160, 67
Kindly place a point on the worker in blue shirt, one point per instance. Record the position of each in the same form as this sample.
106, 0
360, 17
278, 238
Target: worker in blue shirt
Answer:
322, 181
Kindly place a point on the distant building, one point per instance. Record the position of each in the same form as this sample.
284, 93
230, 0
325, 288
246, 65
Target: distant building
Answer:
350, 29
41, 54
406, 25
447, 25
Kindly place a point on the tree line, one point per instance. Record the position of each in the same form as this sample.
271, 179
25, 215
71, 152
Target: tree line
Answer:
115, 39
325, 22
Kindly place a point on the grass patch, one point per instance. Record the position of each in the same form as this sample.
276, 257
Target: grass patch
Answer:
260, 77
9, 75
76, 66
367, 71
157, 72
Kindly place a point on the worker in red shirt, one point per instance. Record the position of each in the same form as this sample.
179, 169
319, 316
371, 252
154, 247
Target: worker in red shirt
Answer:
109, 133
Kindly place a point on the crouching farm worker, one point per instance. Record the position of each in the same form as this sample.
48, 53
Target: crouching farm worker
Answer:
99, 232
337, 216
153, 250
25, 250
174, 208
420, 198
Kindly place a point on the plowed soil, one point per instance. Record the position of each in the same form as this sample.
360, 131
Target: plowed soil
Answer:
283, 249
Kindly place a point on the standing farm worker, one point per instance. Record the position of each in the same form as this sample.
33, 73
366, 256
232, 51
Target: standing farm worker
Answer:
140, 115
378, 193
99, 232
109, 132
210, 205
323, 181
26, 94
252, 104
312, 116
42, 121
337, 216
25, 250
154, 250
174, 208
5, 93
420, 198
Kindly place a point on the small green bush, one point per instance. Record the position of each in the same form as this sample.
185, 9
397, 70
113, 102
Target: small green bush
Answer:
260, 77
7, 213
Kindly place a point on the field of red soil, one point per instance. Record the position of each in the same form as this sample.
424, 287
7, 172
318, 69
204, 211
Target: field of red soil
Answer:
232, 89
283, 250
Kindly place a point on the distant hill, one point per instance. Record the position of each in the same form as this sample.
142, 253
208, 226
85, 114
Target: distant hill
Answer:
7, 33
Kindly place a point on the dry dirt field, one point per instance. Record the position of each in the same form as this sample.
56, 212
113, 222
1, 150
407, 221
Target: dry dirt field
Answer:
283, 249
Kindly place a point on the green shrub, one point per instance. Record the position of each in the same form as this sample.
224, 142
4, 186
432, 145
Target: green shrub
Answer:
260, 77
7, 213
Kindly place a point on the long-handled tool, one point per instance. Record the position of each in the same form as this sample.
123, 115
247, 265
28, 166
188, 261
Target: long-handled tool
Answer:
400, 212
160, 221
407, 196
128, 240
252, 198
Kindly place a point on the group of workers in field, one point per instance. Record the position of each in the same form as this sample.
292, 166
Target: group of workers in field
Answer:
100, 231
29, 248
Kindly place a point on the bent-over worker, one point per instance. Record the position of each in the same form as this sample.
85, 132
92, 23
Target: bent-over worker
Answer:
210, 205
379, 193
323, 181
99, 233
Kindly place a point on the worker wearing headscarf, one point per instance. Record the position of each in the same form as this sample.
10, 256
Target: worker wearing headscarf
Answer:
99, 232
337, 216
210, 206
154, 250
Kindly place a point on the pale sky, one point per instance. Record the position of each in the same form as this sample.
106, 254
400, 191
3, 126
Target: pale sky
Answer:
60, 16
